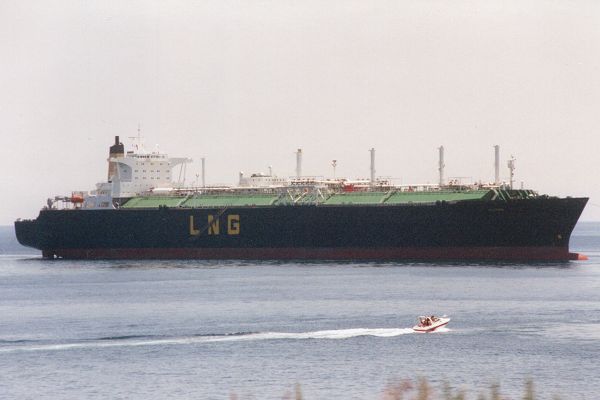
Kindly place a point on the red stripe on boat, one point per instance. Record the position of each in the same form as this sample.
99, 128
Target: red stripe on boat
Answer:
329, 253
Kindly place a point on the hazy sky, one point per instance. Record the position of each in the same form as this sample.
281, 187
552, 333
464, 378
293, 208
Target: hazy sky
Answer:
245, 83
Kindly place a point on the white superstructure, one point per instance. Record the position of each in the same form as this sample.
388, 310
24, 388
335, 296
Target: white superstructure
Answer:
135, 172
140, 172
262, 180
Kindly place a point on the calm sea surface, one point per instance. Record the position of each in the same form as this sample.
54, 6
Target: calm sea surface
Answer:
205, 330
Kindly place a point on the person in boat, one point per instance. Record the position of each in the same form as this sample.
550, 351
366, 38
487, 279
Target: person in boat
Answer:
426, 321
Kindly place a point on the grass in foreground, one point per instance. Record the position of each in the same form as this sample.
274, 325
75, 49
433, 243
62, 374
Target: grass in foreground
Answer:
421, 389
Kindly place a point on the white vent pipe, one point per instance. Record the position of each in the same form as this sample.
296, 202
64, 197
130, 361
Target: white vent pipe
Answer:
372, 166
496, 165
299, 163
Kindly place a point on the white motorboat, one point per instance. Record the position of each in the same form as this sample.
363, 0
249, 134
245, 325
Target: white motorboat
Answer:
431, 323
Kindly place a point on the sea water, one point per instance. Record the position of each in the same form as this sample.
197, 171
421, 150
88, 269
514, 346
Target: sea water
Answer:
253, 330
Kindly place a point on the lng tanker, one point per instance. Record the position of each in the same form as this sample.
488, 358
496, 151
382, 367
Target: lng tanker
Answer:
141, 211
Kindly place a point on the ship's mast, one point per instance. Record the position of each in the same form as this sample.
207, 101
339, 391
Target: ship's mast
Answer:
138, 144
511, 167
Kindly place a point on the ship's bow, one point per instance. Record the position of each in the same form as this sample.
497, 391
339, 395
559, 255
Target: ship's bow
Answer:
575, 207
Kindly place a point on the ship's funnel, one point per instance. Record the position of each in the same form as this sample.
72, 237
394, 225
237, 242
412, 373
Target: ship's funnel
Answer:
299, 163
115, 151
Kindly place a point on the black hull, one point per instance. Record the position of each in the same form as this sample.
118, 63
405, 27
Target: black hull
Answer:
524, 229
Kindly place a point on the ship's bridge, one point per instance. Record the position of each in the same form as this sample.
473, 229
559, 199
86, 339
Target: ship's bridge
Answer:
137, 173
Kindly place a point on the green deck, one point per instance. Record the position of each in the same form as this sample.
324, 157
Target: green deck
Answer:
432, 197
230, 200
153, 202
267, 199
403, 197
356, 198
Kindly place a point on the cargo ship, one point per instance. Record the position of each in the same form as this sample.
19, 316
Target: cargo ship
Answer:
142, 212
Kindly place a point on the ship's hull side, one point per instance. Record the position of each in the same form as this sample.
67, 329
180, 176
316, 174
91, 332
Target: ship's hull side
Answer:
526, 229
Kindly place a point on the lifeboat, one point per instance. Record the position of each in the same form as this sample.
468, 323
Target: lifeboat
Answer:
76, 198
431, 323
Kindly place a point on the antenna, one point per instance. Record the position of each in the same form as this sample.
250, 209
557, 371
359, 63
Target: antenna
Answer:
138, 139
441, 165
333, 164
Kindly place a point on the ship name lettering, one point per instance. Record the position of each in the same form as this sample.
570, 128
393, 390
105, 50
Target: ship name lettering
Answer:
213, 226
233, 224
193, 230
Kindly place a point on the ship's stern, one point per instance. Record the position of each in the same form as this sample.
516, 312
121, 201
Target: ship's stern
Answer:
28, 233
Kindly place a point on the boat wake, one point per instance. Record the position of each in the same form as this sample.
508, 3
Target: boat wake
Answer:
441, 329
133, 341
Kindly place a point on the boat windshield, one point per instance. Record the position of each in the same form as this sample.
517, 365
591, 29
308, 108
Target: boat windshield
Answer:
426, 321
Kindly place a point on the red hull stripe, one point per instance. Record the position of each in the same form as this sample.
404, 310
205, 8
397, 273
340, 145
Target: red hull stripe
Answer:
330, 253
